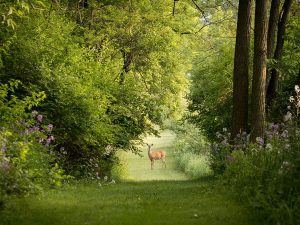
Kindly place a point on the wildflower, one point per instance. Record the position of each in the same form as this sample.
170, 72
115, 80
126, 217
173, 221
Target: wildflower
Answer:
218, 134
287, 117
284, 134
224, 129
297, 89
230, 158
50, 127
225, 142
39, 118
292, 99
34, 113
3, 148
287, 146
259, 141
113, 182
105, 178
269, 146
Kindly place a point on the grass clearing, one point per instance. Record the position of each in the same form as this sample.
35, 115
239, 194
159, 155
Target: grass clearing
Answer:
131, 203
155, 197
138, 168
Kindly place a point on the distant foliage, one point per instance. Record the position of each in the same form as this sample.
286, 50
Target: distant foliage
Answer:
191, 151
210, 100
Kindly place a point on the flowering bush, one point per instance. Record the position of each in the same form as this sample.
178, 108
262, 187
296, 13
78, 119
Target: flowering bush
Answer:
25, 162
266, 173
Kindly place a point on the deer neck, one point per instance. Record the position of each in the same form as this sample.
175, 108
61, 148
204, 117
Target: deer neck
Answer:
149, 153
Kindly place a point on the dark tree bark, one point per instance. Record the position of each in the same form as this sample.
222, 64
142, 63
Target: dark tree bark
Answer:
259, 71
240, 73
273, 83
127, 57
273, 21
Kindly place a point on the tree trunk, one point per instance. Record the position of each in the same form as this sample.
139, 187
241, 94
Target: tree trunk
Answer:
240, 73
273, 21
259, 71
273, 83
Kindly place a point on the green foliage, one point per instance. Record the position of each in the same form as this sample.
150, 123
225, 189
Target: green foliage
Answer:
191, 151
264, 174
111, 71
211, 89
25, 163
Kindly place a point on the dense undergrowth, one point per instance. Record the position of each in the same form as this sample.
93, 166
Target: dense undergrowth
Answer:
264, 174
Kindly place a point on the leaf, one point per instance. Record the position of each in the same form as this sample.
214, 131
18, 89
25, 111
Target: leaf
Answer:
11, 10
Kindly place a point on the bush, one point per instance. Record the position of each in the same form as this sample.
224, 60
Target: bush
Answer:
191, 151
265, 174
25, 159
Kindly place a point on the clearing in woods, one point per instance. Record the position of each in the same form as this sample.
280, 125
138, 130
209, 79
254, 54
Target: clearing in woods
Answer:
157, 197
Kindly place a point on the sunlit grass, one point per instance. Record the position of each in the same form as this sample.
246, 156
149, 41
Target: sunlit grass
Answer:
140, 203
138, 168
155, 197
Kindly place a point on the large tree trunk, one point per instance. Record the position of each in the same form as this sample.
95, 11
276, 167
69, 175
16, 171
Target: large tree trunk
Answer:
273, 83
273, 21
240, 73
259, 71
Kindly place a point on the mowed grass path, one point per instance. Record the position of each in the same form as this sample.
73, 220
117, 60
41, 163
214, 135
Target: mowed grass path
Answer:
139, 167
167, 198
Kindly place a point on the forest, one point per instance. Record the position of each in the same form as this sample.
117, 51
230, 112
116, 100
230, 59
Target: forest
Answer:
87, 87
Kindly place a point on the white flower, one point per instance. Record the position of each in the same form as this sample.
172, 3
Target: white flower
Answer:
269, 146
297, 89
287, 117
292, 99
113, 182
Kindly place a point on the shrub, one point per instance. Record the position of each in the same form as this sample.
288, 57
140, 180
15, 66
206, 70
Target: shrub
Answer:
266, 173
25, 159
191, 151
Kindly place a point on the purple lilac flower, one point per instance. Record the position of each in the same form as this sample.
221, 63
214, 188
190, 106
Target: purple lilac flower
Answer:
260, 141
4, 164
50, 127
39, 118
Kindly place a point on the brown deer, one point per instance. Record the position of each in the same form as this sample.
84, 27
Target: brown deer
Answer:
155, 155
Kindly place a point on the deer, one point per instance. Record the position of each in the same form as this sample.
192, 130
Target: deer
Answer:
156, 155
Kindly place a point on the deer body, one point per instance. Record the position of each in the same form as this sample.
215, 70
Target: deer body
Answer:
156, 155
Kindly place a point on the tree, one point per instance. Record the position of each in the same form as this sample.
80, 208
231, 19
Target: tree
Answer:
240, 73
259, 71
273, 83
273, 21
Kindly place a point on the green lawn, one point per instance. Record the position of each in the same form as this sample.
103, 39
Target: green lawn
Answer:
158, 197
139, 167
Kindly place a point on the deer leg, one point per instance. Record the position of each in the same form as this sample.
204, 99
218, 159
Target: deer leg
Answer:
164, 162
152, 163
